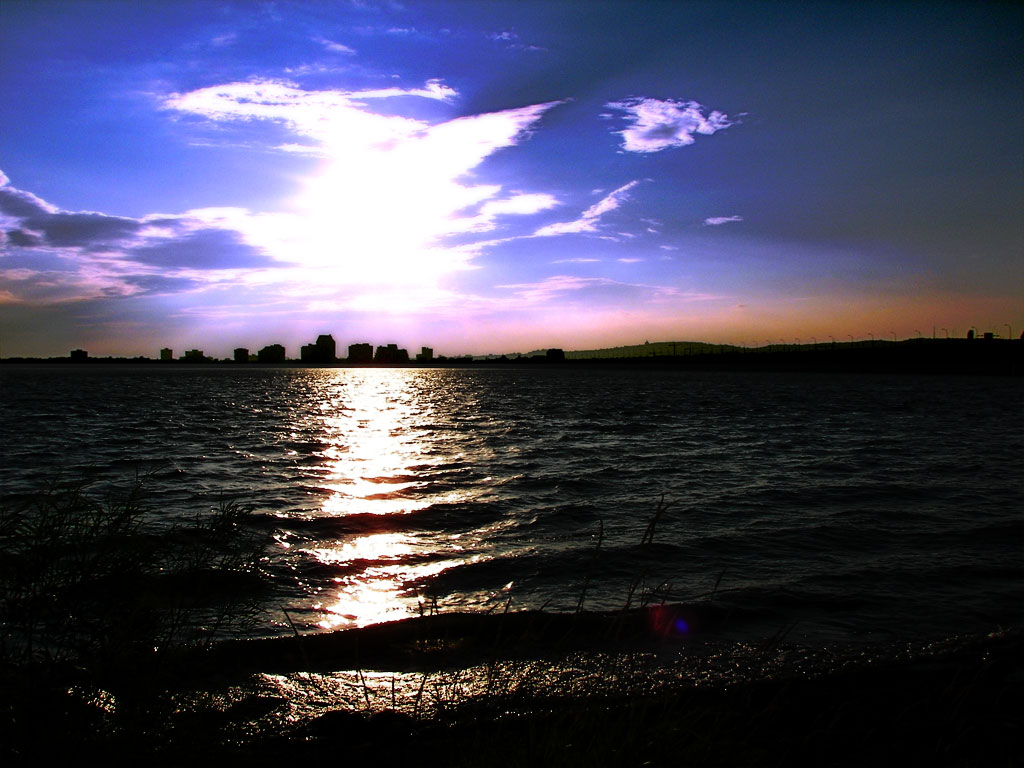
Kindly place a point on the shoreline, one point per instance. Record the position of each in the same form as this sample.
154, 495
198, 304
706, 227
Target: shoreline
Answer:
527, 688
988, 357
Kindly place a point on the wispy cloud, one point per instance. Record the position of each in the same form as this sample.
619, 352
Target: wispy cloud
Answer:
561, 289
588, 221
225, 39
546, 290
334, 47
520, 204
717, 221
656, 124
326, 116
512, 41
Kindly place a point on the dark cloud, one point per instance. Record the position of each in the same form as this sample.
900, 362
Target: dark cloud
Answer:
23, 239
15, 202
40, 225
88, 230
204, 249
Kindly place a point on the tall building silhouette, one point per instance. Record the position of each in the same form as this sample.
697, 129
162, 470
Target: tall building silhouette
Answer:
323, 351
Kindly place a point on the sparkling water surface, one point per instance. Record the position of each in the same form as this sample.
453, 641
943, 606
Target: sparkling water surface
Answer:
827, 506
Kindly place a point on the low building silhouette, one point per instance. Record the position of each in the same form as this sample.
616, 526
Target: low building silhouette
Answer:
273, 353
555, 355
360, 353
426, 355
194, 356
166, 354
79, 355
241, 355
391, 354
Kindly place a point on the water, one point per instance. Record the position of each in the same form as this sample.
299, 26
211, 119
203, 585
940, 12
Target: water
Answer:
834, 507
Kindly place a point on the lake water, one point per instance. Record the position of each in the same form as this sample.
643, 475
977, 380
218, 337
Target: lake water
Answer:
837, 507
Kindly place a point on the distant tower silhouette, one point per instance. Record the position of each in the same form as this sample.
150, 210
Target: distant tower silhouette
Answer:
241, 355
321, 352
326, 348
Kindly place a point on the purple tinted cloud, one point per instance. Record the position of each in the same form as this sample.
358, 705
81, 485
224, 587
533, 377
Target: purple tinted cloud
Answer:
82, 230
656, 124
203, 249
20, 204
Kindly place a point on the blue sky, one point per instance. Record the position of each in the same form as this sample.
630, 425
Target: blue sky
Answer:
498, 177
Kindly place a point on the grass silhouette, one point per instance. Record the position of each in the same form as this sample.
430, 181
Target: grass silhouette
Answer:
114, 646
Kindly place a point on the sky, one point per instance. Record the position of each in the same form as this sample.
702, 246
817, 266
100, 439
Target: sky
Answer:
489, 177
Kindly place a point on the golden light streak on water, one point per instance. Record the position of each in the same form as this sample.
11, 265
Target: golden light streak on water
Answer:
375, 463
370, 425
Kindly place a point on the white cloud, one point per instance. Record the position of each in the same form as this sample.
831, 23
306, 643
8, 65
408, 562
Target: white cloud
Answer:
334, 47
332, 117
587, 222
432, 89
656, 124
717, 221
516, 205
519, 204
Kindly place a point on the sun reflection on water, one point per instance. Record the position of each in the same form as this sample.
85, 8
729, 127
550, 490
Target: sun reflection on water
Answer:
377, 461
373, 457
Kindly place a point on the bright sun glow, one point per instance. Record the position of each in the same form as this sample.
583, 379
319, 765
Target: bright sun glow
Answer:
377, 212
